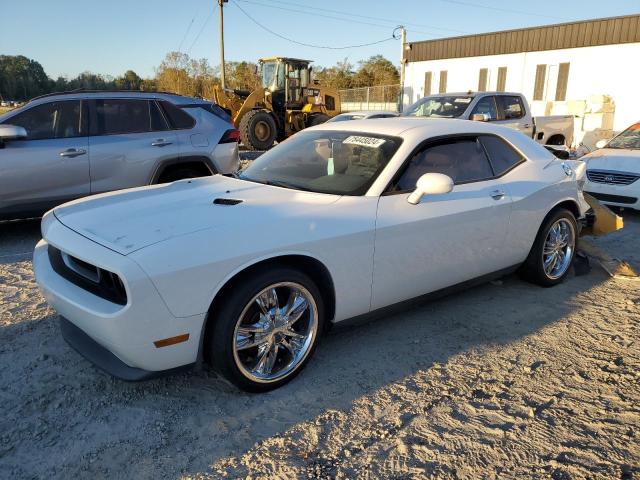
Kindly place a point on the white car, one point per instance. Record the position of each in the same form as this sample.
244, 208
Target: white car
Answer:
613, 171
363, 115
340, 221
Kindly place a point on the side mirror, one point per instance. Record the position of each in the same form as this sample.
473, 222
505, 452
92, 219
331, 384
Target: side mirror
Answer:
430, 184
12, 132
601, 143
480, 117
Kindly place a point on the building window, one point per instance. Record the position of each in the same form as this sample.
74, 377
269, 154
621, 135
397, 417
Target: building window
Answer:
482, 79
427, 83
502, 79
563, 80
538, 86
442, 88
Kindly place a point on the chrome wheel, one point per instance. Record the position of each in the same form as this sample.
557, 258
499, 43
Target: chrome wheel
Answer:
558, 248
275, 332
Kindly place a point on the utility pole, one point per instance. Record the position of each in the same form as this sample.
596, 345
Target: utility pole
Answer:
222, 79
402, 63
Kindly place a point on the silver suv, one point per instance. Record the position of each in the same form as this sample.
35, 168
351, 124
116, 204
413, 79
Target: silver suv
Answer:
64, 146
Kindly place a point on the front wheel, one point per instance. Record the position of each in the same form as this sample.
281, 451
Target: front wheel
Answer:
552, 253
267, 329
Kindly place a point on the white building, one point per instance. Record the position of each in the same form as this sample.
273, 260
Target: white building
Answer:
590, 69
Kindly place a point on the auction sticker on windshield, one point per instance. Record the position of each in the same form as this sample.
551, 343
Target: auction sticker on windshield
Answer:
363, 141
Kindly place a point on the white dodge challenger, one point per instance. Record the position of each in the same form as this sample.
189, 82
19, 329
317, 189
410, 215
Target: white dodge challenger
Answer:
340, 221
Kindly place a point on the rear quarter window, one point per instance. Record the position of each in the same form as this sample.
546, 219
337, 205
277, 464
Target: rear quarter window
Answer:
177, 117
502, 156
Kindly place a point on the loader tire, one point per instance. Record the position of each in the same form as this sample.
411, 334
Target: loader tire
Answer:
258, 130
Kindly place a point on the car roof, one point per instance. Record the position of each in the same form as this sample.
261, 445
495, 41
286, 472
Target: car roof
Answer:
396, 126
370, 112
86, 94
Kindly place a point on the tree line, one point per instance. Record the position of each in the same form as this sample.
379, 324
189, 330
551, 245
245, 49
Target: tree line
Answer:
22, 78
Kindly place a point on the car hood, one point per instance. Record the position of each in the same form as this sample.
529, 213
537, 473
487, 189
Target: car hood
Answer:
614, 159
129, 220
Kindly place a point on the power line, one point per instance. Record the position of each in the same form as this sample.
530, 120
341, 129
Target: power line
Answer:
200, 32
500, 9
186, 33
302, 43
321, 15
350, 14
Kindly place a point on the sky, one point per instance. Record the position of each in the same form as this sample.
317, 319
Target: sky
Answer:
71, 36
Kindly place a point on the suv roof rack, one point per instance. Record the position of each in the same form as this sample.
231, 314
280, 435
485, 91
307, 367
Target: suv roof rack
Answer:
85, 90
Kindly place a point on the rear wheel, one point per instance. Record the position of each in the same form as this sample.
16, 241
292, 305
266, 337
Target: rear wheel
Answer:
258, 130
179, 174
267, 329
552, 253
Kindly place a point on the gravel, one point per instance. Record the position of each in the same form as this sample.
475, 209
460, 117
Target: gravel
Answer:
506, 380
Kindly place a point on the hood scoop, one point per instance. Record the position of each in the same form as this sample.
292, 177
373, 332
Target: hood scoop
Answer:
226, 201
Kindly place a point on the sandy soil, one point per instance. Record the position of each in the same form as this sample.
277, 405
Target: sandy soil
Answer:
506, 380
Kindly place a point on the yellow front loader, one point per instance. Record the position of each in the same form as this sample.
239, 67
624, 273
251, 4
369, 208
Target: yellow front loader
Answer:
287, 102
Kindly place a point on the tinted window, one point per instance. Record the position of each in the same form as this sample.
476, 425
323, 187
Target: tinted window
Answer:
487, 105
463, 160
511, 107
121, 116
501, 155
178, 118
50, 120
343, 163
158, 122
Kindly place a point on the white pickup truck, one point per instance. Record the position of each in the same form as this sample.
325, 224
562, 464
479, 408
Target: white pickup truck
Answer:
508, 109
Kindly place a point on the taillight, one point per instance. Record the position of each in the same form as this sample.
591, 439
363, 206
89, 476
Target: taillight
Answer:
230, 136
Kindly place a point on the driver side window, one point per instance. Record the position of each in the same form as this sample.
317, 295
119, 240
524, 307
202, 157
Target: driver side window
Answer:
461, 159
486, 105
51, 120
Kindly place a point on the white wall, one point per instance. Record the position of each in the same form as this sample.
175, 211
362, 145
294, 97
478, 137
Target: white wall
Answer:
612, 70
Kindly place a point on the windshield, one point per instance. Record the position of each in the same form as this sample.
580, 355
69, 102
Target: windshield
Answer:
630, 138
346, 116
269, 72
447, 106
340, 163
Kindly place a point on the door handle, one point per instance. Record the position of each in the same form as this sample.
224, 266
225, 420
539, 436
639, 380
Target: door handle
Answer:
73, 152
161, 142
497, 194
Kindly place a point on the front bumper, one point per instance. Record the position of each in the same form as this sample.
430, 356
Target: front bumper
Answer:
104, 359
627, 196
127, 332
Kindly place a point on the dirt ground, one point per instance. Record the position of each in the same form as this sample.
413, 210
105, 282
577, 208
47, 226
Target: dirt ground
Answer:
506, 380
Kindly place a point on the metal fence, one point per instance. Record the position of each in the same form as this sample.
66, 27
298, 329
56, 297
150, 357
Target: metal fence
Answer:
380, 97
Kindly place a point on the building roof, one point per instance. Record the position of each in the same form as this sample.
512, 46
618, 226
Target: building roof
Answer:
586, 33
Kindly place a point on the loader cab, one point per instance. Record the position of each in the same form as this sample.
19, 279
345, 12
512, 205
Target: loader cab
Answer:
286, 78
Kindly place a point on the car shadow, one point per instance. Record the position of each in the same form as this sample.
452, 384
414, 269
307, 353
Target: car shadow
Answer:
181, 425
18, 238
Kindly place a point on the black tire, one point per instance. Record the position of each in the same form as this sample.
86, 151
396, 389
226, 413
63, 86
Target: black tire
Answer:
533, 268
220, 340
316, 119
258, 130
175, 174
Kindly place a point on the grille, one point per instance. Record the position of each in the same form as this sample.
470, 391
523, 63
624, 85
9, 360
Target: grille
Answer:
96, 280
613, 198
612, 178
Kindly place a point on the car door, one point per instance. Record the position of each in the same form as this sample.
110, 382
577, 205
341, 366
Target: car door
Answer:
513, 114
445, 239
51, 165
129, 138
